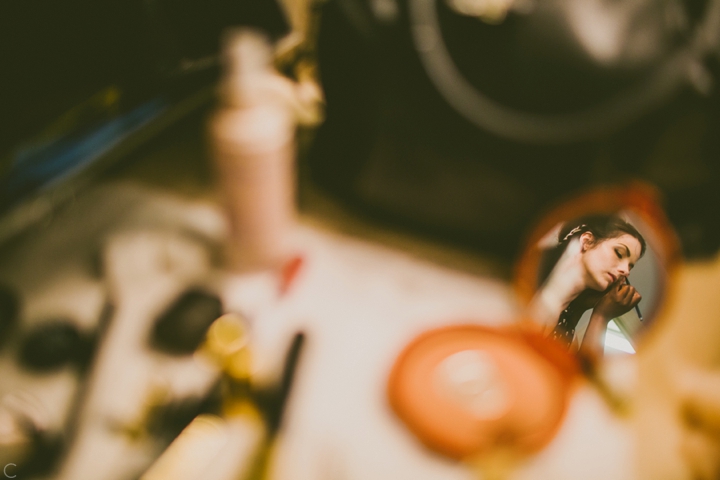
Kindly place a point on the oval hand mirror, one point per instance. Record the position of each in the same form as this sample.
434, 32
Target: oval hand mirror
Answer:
596, 268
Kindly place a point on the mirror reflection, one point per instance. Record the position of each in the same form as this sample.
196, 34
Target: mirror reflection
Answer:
597, 279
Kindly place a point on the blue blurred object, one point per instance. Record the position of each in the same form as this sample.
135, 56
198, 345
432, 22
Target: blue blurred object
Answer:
42, 165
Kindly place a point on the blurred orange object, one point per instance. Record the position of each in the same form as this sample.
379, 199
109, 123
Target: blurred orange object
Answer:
466, 389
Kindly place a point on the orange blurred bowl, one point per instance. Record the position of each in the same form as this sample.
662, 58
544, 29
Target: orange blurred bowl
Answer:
465, 389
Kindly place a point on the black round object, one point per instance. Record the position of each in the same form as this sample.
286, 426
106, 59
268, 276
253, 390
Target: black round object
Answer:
9, 311
182, 328
51, 346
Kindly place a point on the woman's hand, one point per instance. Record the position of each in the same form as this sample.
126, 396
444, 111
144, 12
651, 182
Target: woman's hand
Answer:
619, 299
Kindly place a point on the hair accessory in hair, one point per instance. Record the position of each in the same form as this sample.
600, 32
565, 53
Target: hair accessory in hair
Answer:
574, 231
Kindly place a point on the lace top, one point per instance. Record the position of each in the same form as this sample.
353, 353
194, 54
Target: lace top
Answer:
565, 329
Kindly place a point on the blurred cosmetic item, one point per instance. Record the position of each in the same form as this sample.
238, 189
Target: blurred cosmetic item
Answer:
253, 145
466, 389
212, 448
222, 447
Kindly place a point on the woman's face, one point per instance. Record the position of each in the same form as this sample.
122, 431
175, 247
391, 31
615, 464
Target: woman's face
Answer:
609, 259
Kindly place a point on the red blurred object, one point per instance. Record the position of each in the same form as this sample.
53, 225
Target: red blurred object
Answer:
289, 273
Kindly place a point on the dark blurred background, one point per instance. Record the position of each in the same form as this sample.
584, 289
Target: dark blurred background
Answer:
83, 77
474, 135
443, 117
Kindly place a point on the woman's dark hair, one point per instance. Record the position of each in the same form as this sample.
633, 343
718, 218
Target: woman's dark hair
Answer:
602, 227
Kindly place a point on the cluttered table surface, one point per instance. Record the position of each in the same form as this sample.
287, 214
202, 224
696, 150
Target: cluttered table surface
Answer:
109, 361
361, 292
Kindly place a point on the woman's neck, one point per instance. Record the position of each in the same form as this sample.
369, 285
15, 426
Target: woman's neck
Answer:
567, 279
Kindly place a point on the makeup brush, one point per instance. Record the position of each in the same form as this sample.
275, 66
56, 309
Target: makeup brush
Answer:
637, 308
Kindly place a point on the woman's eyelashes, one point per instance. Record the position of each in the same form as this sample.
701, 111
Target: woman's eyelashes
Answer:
622, 255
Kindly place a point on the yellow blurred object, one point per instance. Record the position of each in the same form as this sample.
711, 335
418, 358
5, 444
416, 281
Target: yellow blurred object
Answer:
157, 398
226, 344
496, 464
241, 408
211, 448
489, 11
15, 442
187, 455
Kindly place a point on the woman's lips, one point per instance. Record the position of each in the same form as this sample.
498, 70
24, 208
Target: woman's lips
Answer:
613, 277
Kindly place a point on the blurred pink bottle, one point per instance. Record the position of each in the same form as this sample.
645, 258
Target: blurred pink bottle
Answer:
252, 138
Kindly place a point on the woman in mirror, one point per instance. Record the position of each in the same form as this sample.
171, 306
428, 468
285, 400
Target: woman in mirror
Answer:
587, 269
